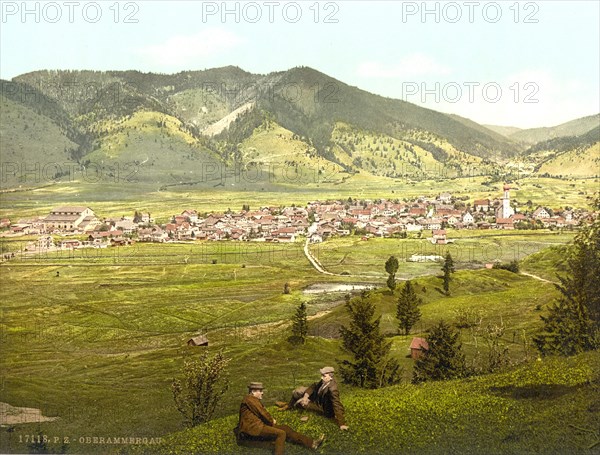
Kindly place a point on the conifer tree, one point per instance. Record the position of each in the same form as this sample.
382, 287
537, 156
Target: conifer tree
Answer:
407, 308
391, 267
573, 322
299, 325
444, 359
371, 366
448, 269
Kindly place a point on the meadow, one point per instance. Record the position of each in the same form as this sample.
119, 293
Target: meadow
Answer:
99, 342
470, 249
548, 407
95, 337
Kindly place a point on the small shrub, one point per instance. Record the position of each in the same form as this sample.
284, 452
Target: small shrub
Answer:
467, 318
200, 391
512, 266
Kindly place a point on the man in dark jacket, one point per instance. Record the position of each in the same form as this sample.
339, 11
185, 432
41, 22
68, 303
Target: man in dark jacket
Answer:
256, 424
322, 396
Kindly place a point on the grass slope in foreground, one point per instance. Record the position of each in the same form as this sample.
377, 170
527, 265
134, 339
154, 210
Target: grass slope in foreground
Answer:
548, 406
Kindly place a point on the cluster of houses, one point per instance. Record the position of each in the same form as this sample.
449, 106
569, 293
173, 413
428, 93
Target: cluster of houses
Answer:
317, 221
269, 224
390, 218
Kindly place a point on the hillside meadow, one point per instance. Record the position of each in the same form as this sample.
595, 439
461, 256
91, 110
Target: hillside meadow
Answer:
549, 406
98, 343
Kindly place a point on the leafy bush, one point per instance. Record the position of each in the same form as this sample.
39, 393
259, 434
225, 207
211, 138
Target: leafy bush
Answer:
467, 318
202, 388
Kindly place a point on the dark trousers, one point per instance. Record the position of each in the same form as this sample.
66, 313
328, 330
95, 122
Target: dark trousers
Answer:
299, 393
280, 434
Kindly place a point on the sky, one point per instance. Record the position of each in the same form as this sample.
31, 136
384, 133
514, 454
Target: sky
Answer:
512, 63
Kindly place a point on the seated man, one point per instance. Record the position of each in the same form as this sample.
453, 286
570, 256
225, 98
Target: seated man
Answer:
322, 396
256, 424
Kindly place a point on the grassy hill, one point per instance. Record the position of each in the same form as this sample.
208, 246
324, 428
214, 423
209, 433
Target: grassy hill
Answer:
90, 107
154, 147
34, 149
582, 162
285, 157
568, 155
419, 155
547, 263
349, 129
324, 101
545, 407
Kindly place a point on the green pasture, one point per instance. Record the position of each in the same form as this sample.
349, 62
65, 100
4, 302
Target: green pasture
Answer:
547, 263
99, 344
471, 249
478, 298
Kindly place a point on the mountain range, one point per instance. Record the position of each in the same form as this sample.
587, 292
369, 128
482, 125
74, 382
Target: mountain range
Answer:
176, 127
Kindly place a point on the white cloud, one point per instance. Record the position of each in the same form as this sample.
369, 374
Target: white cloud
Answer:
410, 66
180, 49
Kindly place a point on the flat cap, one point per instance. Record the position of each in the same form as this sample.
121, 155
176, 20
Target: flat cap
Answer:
326, 370
256, 386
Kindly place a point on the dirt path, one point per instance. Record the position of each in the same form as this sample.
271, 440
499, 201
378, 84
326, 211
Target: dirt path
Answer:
538, 278
319, 267
315, 263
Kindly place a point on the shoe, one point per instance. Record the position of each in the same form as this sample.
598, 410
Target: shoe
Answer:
281, 404
317, 442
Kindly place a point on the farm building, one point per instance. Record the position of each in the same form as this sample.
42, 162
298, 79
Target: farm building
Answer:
417, 346
199, 340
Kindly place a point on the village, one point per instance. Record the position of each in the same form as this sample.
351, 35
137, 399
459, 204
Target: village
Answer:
424, 217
